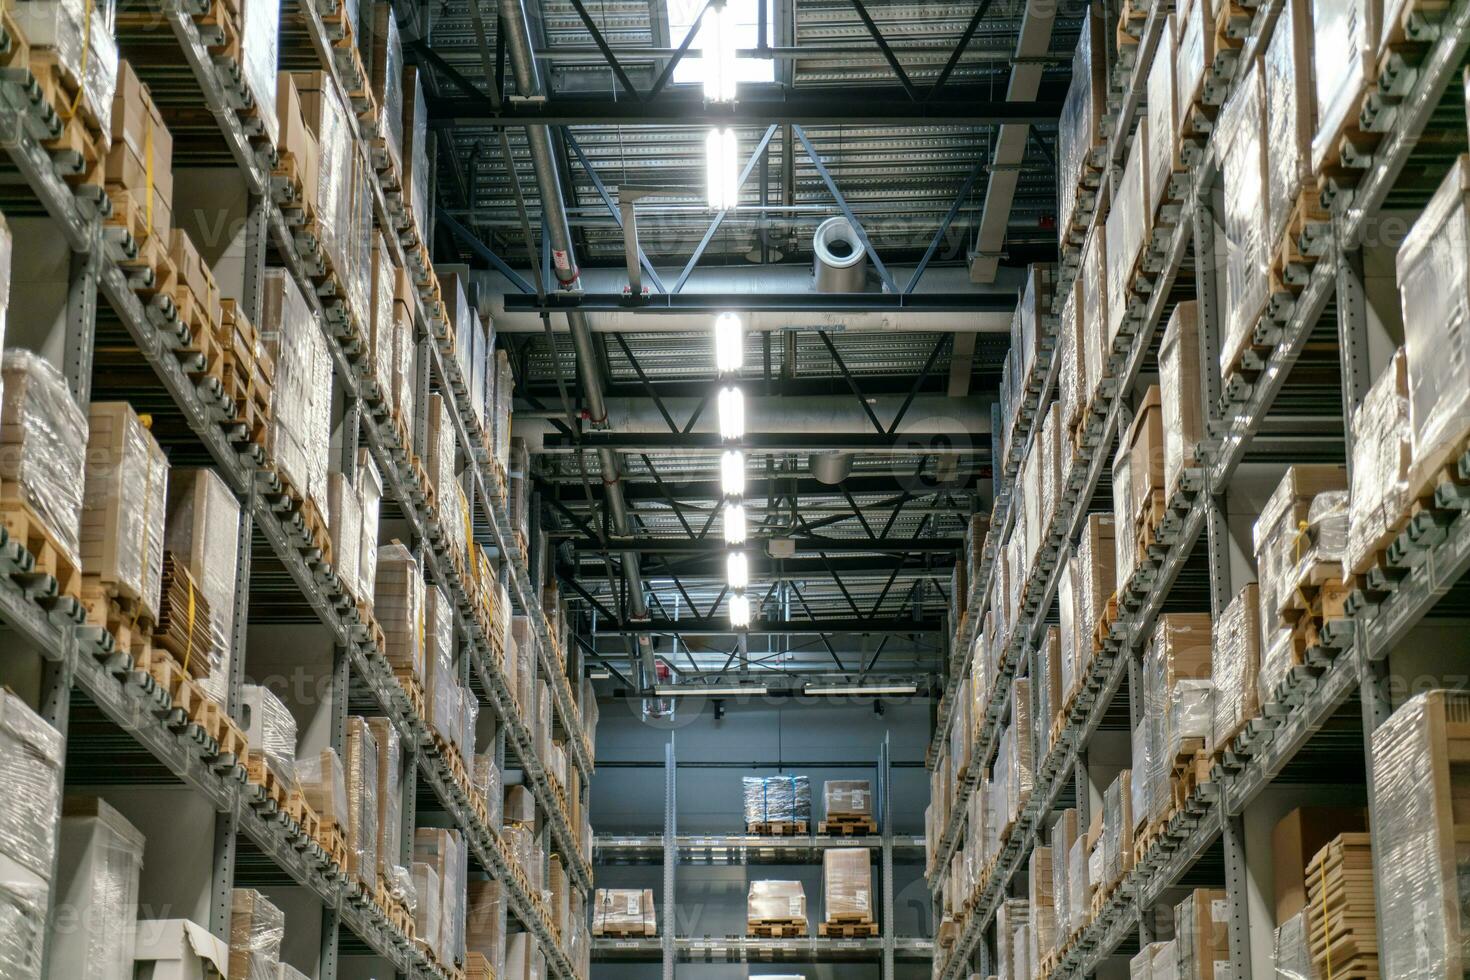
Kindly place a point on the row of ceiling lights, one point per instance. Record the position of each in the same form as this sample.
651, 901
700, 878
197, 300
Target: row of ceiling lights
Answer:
720, 57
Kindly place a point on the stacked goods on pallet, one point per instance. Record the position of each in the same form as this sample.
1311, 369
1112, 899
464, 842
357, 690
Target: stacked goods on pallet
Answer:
556, 895
518, 478
74, 59
360, 771
587, 703
780, 800
257, 930
1345, 42
1039, 885
325, 785
1071, 380
301, 427
1298, 539
297, 153
1235, 665
1014, 757
1117, 830
427, 924
1156, 961
624, 912
1289, 955
1012, 938
31, 756
1299, 836
1161, 153
123, 504
1061, 838
139, 172
270, 729
1202, 936
255, 55
1291, 112
1127, 228
398, 604
441, 690
484, 924
353, 510
1092, 285
1247, 253
446, 854
333, 125
1419, 779
416, 175
384, 56
848, 800
403, 350
1138, 483
1342, 917
381, 324
1433, 268
847, 885
1048, 687
523, 958
97, 875
1180, 395
770, 905
1178, 716
1197, 93
961, 732
390, 808
1080, 137
1090, 581
504, 392
201, 532
1378, 497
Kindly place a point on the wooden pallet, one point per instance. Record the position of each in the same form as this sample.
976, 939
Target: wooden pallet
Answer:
848, 927
334, 841
274, 790
49, 557
1191, 770
301, 517
300, 811
777, 828
192, 706
779, 928
644, 930
131, 629
848, 825
79, 148
1150, 517
1105, 620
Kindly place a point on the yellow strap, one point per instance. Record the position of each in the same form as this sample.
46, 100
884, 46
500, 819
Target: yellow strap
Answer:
1326, 930
76, 100
147, 513
148, 169
189, 645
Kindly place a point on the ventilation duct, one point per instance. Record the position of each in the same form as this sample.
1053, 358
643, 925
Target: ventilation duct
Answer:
841, 259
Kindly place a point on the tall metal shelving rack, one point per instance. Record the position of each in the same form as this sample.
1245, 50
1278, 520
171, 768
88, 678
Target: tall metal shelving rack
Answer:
83, 670
671, 849
1433, 552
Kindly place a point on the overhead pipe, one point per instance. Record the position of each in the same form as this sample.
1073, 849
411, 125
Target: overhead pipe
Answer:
517, 33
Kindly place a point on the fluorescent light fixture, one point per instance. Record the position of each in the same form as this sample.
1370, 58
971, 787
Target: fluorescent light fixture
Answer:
701, 690
732, 473
720, 39
598, 675
737, 571
729, 343
732, 414
734, 523
855, 691
722, 169
739, 611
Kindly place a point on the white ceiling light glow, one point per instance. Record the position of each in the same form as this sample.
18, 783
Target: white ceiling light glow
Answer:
722, 169
739, 612
729, 343
732, 414
734, 523
720, 41
737, 570
732, 473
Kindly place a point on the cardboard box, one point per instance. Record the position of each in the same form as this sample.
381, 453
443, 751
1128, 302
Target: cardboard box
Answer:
177, 949
1296, 840
124, 504
1146, 455
141, 156
296, 137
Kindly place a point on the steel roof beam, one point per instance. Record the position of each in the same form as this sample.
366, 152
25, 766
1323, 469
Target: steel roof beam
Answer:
902, 443
641, 486
808, 544
762, 302
699, 626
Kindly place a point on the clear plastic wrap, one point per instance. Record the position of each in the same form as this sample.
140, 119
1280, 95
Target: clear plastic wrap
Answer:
1179, 651
31, 754
1291, 957
847, 883
1023, 751
1382, 450
389, 796
346, 532
1146, 453
1118, 827
1079, 886
1071, 381
260, 25
1141, 966
416, 174
504, 398
1039, 884
489, 780
1235, 664
43, 444
270, 729
1434, 287
1286, 73
404, 350
1128, 227
1067, 633
1202, 935
386, 72
1181, 394
1346, 44
1165, 965
1063, 834
847, 797
398, 604
1096, 578
22, 928
369, 499
201, 529
301, 401
123, 504
1247, 253
1096, 355
776, 798
768, 900
426, 919
1419, 782
440, 681
1011, 917
1079, 131
360, 767
1191, 716
97, 877
1125, 542
1142, 754
380, 323
1048, 450
1195, 55
334, 128
485, 921
1163, 117
439, 460
79, 32
324, 784
257, 930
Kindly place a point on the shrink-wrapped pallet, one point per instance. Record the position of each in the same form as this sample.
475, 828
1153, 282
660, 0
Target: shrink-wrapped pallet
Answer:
1023, 754
1125, 542
770, 799
334, 128
1063, 834
1345, 50
427, 919
1039, 886
202, 530
1011, 917
1117, 834
379, 319
1163, 118
1096, 578
1080, 136
504, 398
1071, 380
296, 144
1048, 453
1068, 633
1178, 651
1141, 753
270, 731
123, 505
360, 769
441, 694
1434, 286
257, 930
1079, 886
398, 604
1191, 717
385, 73
1128, 226
369, 498
1419, 783
97, 875
260, 30
1048, 689
1030, 326
1141, 966
439, 459
301, 402
444, 851
1202, 935
78, 36
1146, 454
1379, 475
485, 917
416, 175
1181, 394
1193, 61
1235, 665
404, 349
1291, 959
389, 797
31, 756
1096, 353
1247, 253
775, 900
324, 784
345, 507
1286, 73
847, 884
847, 798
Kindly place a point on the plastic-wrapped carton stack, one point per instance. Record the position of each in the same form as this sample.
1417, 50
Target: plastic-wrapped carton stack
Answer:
324, 783
1064, 839
485, 921
257, 930
398, 604
76, 36
270, 730
1039, 885
389, 801
847, 884
123, 507
416, 175
776, 799
620, 911
1235, 666
31, 755
1093, 290
97, 878
201, 530
441, 691
1117, 829
1178, 708
1248, 255
1128, 228
775, 901
1345, 50
384, 56
1012, 924
139, 170
1202, 935
302, 401
445, 855
1080, 135
360, 769
1382, 450
1181, 395
1291, 112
